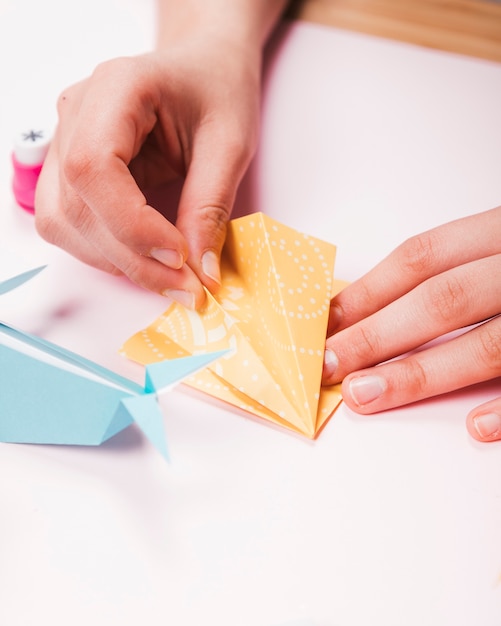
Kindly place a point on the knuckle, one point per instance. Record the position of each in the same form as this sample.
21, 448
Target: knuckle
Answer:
75, 215
135, 267
139, 270
214, 218
413, 378
80, 217
366, 344
419, 254
47, 227
114, 270
240, 144
79, 167
217, 215
366, 294
447, 299
132, 268
115, 67
489, 351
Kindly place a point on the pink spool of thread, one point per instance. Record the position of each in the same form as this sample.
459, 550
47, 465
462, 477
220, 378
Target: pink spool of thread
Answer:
30, 150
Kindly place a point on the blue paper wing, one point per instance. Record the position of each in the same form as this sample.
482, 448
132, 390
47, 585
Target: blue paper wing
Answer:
165, 373
69, 357
16, 281
42, 403
146, 412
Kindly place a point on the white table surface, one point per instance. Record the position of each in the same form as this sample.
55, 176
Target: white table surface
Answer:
387, 520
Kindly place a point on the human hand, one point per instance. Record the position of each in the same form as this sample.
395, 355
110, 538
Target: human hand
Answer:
435, 283
188, 111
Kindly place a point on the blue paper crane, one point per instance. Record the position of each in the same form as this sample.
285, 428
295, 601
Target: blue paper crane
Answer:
50, 395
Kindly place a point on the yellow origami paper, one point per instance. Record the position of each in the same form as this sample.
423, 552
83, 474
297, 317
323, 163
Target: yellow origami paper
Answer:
272, 310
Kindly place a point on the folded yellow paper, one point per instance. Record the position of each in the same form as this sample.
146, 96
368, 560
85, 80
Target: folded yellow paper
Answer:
272, 310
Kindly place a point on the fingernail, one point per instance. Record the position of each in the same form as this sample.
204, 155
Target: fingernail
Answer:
210, 266
366, 389
488, 425
186, 298
168, 257
331, 363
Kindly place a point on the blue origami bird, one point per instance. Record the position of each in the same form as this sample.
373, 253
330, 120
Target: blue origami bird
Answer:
50, 395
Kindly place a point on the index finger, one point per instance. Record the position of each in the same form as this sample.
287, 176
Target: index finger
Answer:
417, 259
96, 160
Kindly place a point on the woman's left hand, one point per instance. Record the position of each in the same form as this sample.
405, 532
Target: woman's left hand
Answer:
433, 284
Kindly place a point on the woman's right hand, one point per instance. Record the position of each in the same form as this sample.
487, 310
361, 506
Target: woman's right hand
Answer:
188, 110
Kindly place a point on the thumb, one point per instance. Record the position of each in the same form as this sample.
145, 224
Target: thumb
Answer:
217, 166
484, 422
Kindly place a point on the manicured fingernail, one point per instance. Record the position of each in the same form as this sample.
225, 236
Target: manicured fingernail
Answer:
331, 363
210, 266
168, 257
186, 298
366, 389
488, 425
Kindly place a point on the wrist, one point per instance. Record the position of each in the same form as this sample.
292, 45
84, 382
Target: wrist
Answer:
243, 23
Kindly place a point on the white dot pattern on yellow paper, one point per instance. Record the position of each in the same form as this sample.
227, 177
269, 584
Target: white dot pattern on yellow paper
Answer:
273, 308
